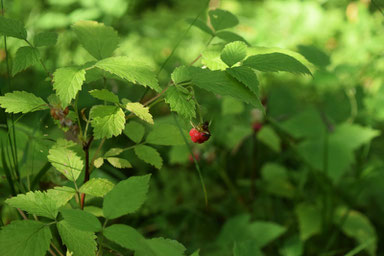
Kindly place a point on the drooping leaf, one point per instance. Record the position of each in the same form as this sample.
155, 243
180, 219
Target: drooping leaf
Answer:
246, 76
107, 121
25, 238
13, 28
44, 204
201, 25
66, 162
180, 101
25, 57
274, 62
20, 101
220, 82
229, 36
135, 131
149, 155
67, 82
119, 162
81, 243
45, 39
126, 197
309, 217
221, 19
99, 40
165, 134
126, 237
81, 220
97, 187
234, 52
314, 55
105, 95
140, 111
130, 70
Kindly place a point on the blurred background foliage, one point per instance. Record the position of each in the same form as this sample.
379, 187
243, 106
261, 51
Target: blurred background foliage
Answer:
309, 182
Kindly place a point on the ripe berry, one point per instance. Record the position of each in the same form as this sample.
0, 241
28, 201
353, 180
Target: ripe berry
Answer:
195, 135
198, 135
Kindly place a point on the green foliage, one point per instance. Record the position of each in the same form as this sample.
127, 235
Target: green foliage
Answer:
25, 57
13, 28
21, 102
149, 155
140, 111
222, 19
126, 236
181, 102
201, 25
44, 204
309, 218
269, 137
126, 197
119, 162
105, 95
99, 40
20, 238
107, 121
234, 52
97, 187
165, 134
246, 76
135, 131
45, 39
81, 220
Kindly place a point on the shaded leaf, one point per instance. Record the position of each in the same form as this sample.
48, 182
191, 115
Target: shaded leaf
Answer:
20, 101
149, 155
25, 57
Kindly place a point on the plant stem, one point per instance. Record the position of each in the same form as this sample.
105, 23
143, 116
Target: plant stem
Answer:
95, 155
86, 147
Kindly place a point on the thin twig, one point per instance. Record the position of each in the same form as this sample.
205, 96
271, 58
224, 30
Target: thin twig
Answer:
87, 172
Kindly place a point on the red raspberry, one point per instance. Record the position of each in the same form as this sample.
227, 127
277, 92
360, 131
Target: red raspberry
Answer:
257, 126
195, 135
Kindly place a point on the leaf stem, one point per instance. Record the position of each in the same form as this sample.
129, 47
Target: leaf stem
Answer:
86, 147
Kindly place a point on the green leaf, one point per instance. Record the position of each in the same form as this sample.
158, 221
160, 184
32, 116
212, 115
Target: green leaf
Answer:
180, 101
201, 25
67, 82
45, 39
140, 111
229, 36
246, 76
293, 246
276, 181
126, 237
231, 106
107, 121
234, 52
25, 57
149, 155
25, 238
357, 226
97, 187
43, 203
98, 212
113, 152
165, 247
268, 136
314, 55
119, 162
220, 82
81, 220
99, 40
105, 95
196, 253
181, 75
221, 19
210, 58
274, 62
246, 248
81, 243
309, 220
20, 101
98, 162
126, 197
165, 134
66, 162
135, 131
130, 70
13, 28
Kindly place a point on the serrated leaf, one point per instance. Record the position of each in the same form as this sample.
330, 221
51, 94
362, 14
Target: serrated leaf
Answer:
113, 152
81, 243
126, 237
25, 57
166, 247
97, 187
20, 101
105, 95
220, 82
234, 52
314, 55
66, 162
309, 217
180, 101
246, 76
81, 220
67, 82
25, 238
201, 25
149, 155
98, 162
165, 134
130, 70
274, 62
119, 162
229, 36
181, 75
107, 121
42, 203
45, 39
221, 19
99, 40
135, 131
13, 28
126, 197
140, 111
